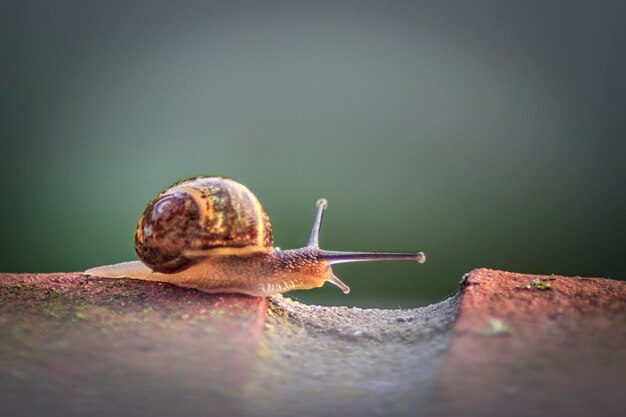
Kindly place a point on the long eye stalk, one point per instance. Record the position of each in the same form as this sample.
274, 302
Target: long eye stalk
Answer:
314, 239
337, 257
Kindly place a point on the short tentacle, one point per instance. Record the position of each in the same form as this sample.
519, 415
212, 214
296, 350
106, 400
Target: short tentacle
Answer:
336, 281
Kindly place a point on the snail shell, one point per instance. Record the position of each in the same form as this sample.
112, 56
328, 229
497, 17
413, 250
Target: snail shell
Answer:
198, 217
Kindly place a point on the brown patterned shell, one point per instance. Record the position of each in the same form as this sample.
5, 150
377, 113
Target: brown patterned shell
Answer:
200, 217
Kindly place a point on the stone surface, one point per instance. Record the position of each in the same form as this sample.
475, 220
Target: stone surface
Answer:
521, 348
339, 361
71, 346
522, 345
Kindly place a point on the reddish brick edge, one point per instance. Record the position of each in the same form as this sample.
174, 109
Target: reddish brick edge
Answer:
519, 351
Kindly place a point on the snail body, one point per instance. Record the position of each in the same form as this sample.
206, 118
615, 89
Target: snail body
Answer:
212, 234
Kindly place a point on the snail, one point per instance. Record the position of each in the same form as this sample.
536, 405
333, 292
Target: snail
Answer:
212, 234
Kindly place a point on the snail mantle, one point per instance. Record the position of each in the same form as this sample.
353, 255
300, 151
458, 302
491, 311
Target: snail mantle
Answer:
508, 344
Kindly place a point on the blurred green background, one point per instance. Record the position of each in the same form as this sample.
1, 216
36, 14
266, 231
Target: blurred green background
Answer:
487, 134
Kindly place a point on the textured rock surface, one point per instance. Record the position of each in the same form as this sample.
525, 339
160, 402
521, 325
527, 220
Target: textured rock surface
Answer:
521, 345
338, 361
71, 346
523, 348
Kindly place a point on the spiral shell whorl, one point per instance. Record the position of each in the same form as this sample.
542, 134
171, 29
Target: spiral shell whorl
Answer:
197, 215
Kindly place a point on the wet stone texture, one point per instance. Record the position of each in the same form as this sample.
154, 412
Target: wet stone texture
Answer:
528, 345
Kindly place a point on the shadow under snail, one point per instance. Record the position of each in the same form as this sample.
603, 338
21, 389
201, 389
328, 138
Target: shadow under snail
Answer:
212, 234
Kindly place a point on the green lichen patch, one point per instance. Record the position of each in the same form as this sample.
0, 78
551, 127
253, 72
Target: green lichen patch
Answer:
495, 327
536, 284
